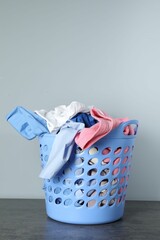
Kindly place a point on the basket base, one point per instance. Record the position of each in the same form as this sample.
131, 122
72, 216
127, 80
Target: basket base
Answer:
86, 216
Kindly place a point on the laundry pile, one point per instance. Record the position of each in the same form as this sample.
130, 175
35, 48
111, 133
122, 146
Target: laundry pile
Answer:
70, 124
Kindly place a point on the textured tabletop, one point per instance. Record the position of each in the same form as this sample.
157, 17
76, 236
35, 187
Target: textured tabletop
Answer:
26, 219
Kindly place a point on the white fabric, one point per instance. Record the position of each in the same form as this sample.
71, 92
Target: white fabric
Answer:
57, 117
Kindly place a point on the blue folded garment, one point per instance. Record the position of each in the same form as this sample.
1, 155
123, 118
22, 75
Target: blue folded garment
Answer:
85, 118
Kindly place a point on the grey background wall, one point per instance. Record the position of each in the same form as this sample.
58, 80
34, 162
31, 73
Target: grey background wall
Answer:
102, 53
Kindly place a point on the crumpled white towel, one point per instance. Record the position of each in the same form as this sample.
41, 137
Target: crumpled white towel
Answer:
57, 117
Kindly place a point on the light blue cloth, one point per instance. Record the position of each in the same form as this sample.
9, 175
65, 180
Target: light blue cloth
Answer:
27, 123
61, 148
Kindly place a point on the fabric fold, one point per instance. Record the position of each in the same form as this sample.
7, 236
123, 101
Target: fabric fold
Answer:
57, 117
85, 118
61, 149
88, 136
27, 123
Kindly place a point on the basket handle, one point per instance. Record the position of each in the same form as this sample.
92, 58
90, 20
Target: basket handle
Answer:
132, 123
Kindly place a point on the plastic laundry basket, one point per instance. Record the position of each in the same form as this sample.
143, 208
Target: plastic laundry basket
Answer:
91, 187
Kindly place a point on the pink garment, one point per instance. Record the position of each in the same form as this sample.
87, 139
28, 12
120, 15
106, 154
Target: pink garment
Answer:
88, 136
129, 130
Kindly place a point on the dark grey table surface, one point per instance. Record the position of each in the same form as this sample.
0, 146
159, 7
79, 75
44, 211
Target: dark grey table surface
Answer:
26, 219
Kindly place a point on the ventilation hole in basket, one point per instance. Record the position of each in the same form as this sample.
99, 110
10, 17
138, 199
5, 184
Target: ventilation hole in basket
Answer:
93, 161
79, 203
116, 161
91, 193
102, 203
58, 200
127, 178
111, 202
91, 203
118, 150
46, 158
92, 172
119, 200
115, 171
79, 161
67, 181
113, 191
50, 199
91, 182
103, 193
125, 188
79, 193
122, 180
67, 171
132, 147
105, 161
67, 191
40, 145
130, 129
79, 182
120, 190
57, 190
44, 187
67, 202
49, 188
79, 171
106, 151
104, 172
126, 130
48, 180
41, 157
103, 182
124, 196
125, 160
79, 150
93, 150
45, 147
123, 170
114, 181
56, 180
126, 149
134, 126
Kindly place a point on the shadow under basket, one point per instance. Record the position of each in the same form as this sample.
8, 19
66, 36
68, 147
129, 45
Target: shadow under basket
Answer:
91, 187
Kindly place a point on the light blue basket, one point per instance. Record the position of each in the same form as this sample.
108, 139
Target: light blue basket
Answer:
91, 187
